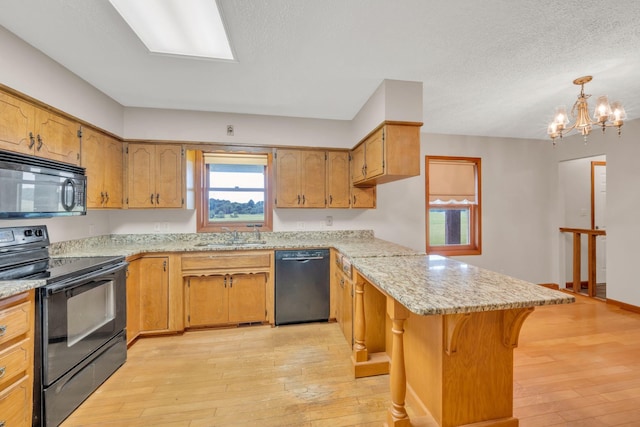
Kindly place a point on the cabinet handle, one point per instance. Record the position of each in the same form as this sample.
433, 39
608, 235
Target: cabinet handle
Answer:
231, 282
3, 330
298, 199
164, 265
106, 195
2, 424
101, 198
354, 200
225, 281
151, 198
364, 170
40, 142
157, 198
330, 199
32, 140
2, 371
303, 200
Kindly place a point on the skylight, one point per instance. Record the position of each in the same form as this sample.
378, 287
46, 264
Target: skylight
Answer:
177, 27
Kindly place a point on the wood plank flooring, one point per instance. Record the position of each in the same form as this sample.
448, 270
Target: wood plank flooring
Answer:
576, 365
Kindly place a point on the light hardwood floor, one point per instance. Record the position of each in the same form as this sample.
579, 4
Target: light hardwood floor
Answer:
576, 365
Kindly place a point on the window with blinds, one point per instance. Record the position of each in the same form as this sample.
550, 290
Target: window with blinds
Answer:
234, 191
453, 205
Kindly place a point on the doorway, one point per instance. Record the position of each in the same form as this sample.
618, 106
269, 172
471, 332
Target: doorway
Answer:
583, 220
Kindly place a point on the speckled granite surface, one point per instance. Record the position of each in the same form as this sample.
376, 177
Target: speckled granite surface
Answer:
428, 285
424, 284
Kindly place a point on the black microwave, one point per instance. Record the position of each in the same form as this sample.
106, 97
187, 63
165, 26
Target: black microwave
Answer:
33, 187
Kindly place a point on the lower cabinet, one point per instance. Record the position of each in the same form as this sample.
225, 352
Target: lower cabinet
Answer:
342, 296
227, 287
154, 294
133, 300
16, 359
229, 298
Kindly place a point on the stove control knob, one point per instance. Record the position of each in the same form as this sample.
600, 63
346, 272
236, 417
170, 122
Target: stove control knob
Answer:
28, 233
38, 232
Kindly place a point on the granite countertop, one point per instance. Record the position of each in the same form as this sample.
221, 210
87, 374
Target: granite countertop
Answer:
426, 285
431, 284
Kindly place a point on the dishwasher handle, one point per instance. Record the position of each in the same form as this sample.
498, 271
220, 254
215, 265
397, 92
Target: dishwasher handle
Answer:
306, 258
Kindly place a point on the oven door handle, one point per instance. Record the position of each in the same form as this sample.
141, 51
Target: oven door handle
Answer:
75, 282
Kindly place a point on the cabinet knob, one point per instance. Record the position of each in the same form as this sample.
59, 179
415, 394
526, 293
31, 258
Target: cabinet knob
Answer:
3, 330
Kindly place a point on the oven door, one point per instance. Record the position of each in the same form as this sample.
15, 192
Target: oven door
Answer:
79, 316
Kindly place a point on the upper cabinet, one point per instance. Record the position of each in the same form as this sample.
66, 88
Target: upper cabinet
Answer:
103, 158
338, 182
300, 181
155, 178
389, 153
28, 129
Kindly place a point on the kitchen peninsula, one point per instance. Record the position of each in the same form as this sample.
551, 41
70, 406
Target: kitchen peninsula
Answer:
444, 330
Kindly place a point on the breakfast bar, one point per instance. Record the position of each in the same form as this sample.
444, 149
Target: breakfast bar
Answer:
445, 331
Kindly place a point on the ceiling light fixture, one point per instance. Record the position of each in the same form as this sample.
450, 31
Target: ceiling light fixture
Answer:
177, 27
604, 115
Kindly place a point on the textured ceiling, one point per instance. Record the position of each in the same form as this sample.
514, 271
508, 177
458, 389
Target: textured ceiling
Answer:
492, 67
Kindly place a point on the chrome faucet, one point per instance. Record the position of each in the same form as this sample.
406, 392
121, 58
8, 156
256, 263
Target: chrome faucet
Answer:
233, 234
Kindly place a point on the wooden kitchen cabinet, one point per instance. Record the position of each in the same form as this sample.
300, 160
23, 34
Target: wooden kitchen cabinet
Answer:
154, 294
133, 300
221, 299
29, 129
103, 158
16, 359
391, 152
338, 182
342, 295
363, 197
300, 179
155, 178
228, 288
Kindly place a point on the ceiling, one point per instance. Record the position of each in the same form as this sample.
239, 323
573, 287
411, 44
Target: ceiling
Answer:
491, 68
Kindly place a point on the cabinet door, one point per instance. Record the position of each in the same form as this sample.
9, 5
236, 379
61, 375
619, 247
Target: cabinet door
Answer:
113, 172
57, 137
154, 294
357, 164
16, 122
288, 169
168, 176
347, 311
208, 300
133, 300
374, 154
247, 298
94, 161
338, 182
363, 197
313, 179
140, 172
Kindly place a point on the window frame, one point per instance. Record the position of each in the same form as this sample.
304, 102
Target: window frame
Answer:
474, 247
202, 188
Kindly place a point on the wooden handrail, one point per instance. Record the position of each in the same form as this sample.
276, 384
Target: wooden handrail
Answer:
591, 259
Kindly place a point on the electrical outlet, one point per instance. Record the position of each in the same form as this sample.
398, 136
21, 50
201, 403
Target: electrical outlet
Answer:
156, 227
229, 130
165, 227
329, 220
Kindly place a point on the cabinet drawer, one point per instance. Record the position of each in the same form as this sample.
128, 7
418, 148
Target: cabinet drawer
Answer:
14, 321
15, 404
14, 361
225, 261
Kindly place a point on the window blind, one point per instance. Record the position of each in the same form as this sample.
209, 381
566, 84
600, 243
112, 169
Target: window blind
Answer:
452, 182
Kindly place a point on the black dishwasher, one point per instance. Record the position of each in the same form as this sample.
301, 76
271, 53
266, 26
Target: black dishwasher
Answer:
302, 286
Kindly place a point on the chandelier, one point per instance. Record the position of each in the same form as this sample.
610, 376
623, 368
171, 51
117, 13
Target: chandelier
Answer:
604, 115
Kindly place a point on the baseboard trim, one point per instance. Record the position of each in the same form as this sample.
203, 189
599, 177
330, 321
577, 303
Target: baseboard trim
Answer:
553, 286
624, 305
583, 285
